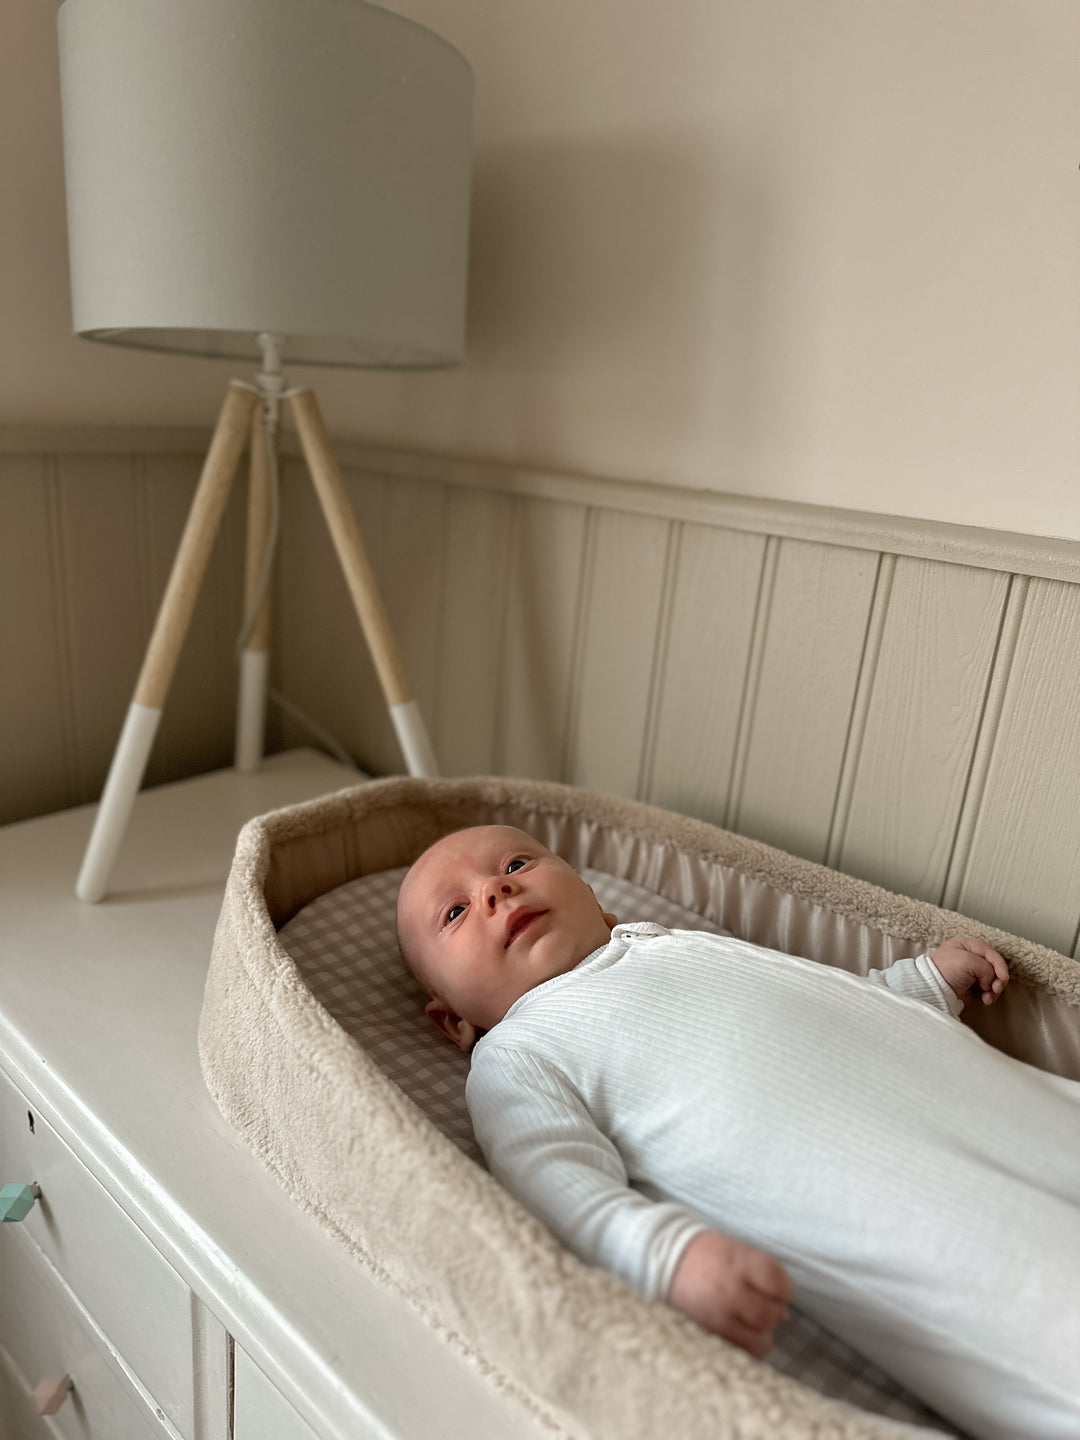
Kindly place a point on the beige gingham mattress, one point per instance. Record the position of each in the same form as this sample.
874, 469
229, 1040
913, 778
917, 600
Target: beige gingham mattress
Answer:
345, 945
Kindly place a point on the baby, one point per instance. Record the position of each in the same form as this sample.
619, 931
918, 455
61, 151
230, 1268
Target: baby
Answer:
728, 1127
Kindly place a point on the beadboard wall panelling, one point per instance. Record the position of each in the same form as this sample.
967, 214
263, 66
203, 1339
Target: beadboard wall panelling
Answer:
1023, 866
797, 720
35, 708
319, 658
543, 601
1046, 556
897, 699
625, 566
477, 540
87, 542
1041, 555
97, 514
909, 761
701, 673
414, 541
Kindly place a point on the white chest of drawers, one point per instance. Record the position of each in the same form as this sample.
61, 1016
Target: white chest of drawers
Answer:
163, 1268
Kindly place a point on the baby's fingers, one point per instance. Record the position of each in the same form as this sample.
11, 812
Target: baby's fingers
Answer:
992, 977
755, 1342
752, 1319
759, 1312
768, 1276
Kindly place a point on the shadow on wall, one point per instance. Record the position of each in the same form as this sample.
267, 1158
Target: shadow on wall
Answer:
634, 271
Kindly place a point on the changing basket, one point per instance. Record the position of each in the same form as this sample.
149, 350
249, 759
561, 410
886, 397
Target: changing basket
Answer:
575, 1346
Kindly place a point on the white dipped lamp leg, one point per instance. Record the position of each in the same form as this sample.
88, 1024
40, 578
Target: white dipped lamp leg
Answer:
360, 579
114, 809
413, 738
174, 617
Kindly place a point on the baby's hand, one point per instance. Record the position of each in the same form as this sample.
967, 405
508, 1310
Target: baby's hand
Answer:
732, 1291
966, 963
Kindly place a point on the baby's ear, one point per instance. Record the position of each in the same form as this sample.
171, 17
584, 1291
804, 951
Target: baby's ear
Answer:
460, 1031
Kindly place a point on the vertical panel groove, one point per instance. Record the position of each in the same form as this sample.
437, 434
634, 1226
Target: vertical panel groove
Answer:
440, 615
436, 651
661, 645
498, 737
143, 564
62, 611
577, 646
875, 628
751, 680
1012, 612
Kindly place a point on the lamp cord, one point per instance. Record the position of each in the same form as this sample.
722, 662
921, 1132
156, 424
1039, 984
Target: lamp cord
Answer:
270, 423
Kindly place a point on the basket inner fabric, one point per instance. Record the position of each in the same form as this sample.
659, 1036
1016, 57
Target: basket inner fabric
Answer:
344, 943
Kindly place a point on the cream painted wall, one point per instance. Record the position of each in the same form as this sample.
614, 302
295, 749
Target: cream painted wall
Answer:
820, 250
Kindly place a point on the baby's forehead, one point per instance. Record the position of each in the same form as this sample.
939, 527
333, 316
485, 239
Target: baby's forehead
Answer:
474, 845
457, 854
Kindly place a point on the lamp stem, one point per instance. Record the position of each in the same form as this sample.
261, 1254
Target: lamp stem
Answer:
269, 380
262, 535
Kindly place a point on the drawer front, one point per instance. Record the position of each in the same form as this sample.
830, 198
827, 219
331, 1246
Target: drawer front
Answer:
43, 1335
133, 1294
17, 1418
260, 1411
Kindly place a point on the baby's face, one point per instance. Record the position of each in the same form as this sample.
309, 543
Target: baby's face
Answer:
487, 914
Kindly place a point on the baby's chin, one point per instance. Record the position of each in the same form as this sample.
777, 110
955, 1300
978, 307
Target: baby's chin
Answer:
538, 969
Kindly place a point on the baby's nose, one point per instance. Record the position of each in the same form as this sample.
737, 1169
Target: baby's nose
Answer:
497, 890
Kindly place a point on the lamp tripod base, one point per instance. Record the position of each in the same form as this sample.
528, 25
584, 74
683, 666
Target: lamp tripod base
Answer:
174, 617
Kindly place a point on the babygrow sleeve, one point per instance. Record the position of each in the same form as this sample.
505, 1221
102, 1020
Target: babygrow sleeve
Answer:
541, 1143
919, 979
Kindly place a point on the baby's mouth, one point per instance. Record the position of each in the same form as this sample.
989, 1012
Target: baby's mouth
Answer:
519, 922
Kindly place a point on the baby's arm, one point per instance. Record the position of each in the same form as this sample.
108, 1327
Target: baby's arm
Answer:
541, 1142
943, 979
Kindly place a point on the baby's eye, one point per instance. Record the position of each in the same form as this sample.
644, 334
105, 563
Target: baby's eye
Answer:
514, 865
453, 913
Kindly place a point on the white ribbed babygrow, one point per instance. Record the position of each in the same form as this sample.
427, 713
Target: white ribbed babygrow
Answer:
922, 1188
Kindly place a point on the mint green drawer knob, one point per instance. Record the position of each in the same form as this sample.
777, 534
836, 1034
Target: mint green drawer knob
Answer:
16, 1201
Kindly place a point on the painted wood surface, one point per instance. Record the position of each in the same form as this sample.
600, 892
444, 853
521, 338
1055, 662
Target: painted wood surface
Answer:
476, 557
1023, 861
86, 544
811, 642
327, 1335
261, 1412
910, 758
543, 602
900, 702
702, 671
618, 627
43, 1333
85, 1238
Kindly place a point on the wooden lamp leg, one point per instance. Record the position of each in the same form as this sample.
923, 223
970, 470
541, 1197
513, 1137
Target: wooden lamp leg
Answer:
255, 658
404, 712
144, 713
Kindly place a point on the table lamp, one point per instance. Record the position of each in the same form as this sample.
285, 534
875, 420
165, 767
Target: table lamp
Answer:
283, 176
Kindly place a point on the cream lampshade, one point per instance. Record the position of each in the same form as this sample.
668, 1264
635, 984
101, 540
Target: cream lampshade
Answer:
283, 175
